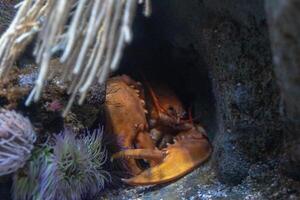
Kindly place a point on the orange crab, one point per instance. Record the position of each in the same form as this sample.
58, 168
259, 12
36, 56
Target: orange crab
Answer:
128, 121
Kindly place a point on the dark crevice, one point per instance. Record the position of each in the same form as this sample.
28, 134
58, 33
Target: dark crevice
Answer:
152, 56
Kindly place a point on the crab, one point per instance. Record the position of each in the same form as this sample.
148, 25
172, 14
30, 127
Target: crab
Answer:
134, 120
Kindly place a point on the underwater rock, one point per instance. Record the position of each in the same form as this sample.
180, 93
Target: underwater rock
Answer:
231, 40
7, 12
232, 166
237, 50
283, 17
16, 141
11, 94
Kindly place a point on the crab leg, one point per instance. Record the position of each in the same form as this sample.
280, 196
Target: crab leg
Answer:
188, 152
150, 154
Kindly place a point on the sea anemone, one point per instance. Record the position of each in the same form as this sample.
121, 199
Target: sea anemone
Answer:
70, 168
16, 141
77, 166
26, 181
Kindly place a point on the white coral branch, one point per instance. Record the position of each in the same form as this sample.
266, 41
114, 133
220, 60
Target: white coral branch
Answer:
92, 35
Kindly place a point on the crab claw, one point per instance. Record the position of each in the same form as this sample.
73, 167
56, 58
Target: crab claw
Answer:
189, 150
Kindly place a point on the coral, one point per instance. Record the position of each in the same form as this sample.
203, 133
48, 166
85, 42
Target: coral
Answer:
10, 93
90, 34
16, 141
71, 168
53, 106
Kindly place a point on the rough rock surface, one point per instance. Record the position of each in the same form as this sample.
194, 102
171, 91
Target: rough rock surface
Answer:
284, 23
263, 183
7, 11
230, 40
237, 50
227, 41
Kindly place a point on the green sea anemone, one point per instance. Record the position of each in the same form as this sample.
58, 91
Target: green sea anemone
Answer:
78, 165
71, 169
26, 181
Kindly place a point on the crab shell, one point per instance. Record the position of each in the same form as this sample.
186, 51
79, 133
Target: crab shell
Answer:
125, 116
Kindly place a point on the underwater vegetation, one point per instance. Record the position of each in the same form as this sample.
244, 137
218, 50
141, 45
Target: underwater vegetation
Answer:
26, 181
70, 168
16, 141
91, 35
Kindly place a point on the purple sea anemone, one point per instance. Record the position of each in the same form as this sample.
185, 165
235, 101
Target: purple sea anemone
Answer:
70, 168
77, 166
26, 181
16, 141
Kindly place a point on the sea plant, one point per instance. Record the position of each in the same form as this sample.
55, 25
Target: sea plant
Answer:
16, 141
70, 168
91, 36
78, 165
26, 181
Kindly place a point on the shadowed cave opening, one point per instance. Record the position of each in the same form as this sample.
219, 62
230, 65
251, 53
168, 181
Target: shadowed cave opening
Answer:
153, 56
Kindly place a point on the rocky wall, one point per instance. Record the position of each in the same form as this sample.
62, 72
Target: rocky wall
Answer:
284, 21
232, 39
